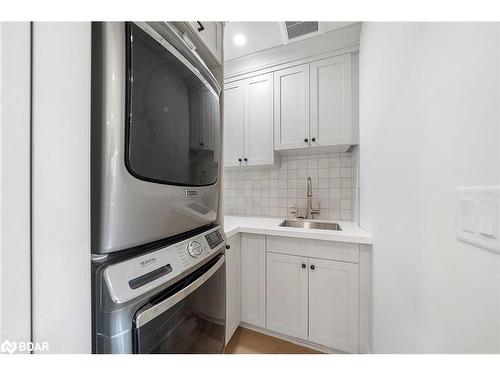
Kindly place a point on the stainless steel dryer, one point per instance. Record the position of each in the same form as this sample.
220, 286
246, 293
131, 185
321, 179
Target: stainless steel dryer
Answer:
171, 300
155, 136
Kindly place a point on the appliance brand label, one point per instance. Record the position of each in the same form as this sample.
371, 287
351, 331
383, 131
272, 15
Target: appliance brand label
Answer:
191, 192
147, 261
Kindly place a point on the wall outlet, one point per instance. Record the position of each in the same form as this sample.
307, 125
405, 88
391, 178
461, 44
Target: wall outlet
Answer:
477, 216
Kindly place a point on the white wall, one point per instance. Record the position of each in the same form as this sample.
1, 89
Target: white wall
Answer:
15, 293
61, 186
429, 122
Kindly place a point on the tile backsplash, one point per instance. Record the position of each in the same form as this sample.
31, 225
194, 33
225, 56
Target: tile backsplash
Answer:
269, 191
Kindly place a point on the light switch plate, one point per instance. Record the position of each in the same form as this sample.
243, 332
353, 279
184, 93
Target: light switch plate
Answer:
477, 216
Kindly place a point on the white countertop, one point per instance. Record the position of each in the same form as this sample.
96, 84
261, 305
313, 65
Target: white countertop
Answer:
270, 226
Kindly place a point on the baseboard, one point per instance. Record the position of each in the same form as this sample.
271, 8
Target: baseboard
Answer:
294, 340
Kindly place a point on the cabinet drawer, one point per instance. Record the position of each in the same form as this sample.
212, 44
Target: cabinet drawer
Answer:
343, 251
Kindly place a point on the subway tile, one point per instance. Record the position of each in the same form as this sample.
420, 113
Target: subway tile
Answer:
345, 183
323, 163
345, 204
302, 174
291, 174
333, 193
335, 163
345, 172
323, 183
270, 191
323, 172
333, 214
334, 172
292, 164
312, 163
346, 215
302, 164
240, 202
334, 203
334, 183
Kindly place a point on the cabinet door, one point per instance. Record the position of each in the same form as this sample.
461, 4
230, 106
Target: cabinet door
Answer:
291, 107
287, 294
331, 107
333, 304
210, 33
233, 123
253, 279
258, 110
233, 286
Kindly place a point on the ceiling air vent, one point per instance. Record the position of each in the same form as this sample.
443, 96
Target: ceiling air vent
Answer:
293, 31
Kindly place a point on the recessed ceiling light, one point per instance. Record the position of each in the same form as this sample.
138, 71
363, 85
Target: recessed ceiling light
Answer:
239, 39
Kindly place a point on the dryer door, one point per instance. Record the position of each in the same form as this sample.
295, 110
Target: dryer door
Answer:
188, 318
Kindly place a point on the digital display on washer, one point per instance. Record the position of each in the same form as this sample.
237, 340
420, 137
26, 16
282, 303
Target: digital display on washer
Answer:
214, 239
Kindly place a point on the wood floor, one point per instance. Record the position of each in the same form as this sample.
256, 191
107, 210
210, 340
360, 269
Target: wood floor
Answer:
246, 341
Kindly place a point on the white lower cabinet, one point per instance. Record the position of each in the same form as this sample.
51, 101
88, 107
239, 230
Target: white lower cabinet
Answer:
333, 304
233, 285
287, 294
313, 299
295, 294
253, 279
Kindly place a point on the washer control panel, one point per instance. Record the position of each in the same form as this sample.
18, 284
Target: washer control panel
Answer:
215, 238
194, 249
133, 277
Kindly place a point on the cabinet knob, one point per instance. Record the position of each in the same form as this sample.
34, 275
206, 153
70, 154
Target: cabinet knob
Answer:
306, 140
303, 265
240, 160
313, 139
228, 246
312, 266
245, 159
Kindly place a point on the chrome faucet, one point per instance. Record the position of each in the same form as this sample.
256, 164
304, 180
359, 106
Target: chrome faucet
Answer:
309, 210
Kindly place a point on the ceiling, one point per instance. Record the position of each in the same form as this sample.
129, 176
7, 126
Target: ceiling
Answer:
259, 36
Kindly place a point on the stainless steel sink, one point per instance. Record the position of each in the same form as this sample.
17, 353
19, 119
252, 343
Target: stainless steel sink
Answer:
307, 224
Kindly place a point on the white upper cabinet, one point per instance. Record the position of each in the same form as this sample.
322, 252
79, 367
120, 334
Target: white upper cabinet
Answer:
287, 294
333, 304
291, 111
233, 124
258, 110
210, 34
248, 122
313, 105
331, 105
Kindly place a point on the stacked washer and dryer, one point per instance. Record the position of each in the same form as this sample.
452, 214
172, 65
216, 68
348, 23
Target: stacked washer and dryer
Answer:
157, 255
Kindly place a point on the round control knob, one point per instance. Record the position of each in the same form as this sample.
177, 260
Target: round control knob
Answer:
194, 249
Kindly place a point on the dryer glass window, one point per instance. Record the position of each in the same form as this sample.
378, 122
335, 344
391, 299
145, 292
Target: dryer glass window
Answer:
173, 128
